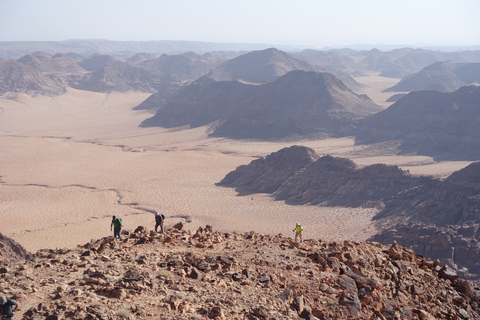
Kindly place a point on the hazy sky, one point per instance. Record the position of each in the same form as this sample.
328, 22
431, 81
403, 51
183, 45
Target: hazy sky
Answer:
315, 23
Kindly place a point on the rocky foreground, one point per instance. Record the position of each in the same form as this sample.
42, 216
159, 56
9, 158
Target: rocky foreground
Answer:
212, 275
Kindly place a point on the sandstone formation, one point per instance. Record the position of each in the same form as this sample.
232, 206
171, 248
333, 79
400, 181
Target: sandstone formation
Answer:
41, 73
268, 65
445, 76
211, 275
11, 251
265, 175
318, 180
438, 218
441, 125
298, 103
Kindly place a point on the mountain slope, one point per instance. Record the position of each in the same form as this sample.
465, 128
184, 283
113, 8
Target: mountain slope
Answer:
299, 103
441, 125
443, 76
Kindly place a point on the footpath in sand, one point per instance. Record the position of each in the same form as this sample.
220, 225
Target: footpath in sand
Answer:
67, 164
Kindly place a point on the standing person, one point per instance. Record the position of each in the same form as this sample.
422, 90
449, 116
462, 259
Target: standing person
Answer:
298, 232
117, 227
159, 221
7, 307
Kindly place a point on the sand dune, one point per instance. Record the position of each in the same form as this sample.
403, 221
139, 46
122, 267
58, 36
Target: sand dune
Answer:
67, 164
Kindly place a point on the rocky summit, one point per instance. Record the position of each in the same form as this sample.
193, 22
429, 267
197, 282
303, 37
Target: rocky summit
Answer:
211, 275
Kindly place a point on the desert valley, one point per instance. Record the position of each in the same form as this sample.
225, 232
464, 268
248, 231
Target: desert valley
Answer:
357, 146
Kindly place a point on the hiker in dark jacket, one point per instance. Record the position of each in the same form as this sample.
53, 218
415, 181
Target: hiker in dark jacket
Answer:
7, 307
159, 221
117, 227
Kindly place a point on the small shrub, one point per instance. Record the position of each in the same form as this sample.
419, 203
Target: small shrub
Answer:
165, 274
123, 314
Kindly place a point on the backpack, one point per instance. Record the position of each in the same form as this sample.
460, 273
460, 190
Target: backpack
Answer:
159, 218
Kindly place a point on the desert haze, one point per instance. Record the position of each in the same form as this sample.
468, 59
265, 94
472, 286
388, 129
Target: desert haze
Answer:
70, 162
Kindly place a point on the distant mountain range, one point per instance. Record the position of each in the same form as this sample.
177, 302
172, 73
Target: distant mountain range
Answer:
41, 73
445, 76
442, 125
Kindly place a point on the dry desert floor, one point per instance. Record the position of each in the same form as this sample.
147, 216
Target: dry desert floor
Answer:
68, 163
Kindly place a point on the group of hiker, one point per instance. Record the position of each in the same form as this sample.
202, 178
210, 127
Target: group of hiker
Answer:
116, 225
8, 306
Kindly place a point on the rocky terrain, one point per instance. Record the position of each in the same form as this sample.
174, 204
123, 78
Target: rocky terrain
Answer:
441, 125
210, 275
268, 65
440, 219
298, 103
41, 73
445, 76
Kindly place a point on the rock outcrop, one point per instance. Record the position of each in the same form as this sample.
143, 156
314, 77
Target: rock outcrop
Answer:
11, 251
207, 274
297, 104
445, 76
441, 125
267, 174
438, 218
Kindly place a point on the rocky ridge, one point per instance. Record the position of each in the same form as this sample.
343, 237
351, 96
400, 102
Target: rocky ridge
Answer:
210, 275
441, 125
297, 104
440, 219
444, 76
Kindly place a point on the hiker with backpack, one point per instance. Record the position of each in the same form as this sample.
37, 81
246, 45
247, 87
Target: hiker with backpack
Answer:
7, 308
159, 221
117, 227
298, 231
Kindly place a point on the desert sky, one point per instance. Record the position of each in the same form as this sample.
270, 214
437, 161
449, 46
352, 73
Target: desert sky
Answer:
68, 163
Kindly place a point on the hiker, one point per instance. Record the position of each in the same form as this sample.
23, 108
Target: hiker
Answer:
7, 308
159, 221
117, 227
298, 232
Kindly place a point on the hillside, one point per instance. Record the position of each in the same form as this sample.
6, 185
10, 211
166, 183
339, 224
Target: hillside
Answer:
441, 76
441, 125
268, 65
206, 274
439, 219
298, 103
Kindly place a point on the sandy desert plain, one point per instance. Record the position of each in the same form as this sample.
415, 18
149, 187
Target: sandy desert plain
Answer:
68, 163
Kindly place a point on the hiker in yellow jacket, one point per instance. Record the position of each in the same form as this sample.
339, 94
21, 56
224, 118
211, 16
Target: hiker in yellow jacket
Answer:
298, 232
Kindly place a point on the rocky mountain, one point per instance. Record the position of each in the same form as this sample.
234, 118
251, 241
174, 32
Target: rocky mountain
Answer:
441, 76
298, 103
121, 49
45, 74
258, 66
27, 77
266, 175
397, 63
187, 66
268, 65
439, 219
207, 274
116, 75
297, 175
11, 252
441, 125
